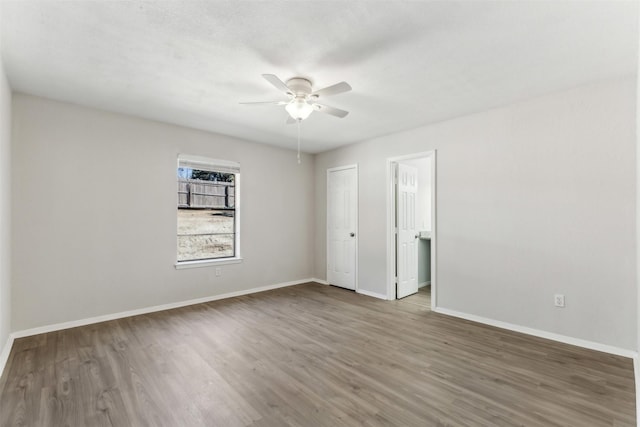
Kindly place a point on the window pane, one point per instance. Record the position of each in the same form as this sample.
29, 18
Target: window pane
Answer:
206, 212
205, 234
205, 246
205, 221
205, 189
190, 173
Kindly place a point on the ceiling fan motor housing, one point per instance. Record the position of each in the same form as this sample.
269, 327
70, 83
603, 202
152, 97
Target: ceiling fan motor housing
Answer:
299, 86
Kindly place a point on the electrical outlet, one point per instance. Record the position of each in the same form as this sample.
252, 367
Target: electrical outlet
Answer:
558, 300
219, 272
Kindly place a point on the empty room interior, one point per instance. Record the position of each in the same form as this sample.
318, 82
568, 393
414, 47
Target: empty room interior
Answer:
293, 213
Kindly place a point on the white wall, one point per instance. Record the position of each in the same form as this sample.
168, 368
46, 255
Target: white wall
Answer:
94, 208
636, 324
5, 209
533, 199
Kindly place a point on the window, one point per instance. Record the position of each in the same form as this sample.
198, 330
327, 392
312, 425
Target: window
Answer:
207, 210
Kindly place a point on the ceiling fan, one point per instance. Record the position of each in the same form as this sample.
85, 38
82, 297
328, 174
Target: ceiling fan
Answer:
302, 98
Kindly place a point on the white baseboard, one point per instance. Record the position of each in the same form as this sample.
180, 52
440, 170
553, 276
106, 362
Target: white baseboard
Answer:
120, 315
6, 350
322, 282
423, 284
542, 334
371, 294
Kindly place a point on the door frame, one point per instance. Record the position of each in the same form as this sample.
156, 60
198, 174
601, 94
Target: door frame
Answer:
355, 270
391, 221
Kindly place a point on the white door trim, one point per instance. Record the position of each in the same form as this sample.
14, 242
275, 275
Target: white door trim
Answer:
335, 169
391, 220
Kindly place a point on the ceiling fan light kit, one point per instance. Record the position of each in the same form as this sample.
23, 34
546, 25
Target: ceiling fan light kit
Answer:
302, 99
298, 108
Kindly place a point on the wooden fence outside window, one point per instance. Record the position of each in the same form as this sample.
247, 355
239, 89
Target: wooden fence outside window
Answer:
195, 193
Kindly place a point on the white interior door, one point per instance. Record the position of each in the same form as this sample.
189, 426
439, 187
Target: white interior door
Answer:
342, 216
407, 250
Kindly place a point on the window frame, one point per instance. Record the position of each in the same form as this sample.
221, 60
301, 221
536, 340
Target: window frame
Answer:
218, 165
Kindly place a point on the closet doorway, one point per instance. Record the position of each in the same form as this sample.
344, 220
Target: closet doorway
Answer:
342, 226
411, 227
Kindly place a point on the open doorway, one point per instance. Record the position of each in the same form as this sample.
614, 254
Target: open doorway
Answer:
411, 228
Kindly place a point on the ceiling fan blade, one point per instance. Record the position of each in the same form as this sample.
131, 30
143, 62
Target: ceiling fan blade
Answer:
279, 84
266, 103
291, 120
333, 90
330, 110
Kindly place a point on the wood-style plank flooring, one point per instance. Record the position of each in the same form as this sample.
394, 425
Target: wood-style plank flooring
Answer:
308, 355
422, 298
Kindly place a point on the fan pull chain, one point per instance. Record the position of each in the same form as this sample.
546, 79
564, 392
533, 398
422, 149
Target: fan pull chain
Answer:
298, 140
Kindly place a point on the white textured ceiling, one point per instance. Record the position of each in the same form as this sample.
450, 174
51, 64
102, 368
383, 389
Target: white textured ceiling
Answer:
409, 63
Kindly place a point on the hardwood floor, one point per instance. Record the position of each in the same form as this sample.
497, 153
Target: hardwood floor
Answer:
422, 298
308, 355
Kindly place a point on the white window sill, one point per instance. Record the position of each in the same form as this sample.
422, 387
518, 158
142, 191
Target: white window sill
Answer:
206, 263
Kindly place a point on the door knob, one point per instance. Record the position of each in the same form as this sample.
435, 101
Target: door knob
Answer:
352, 234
